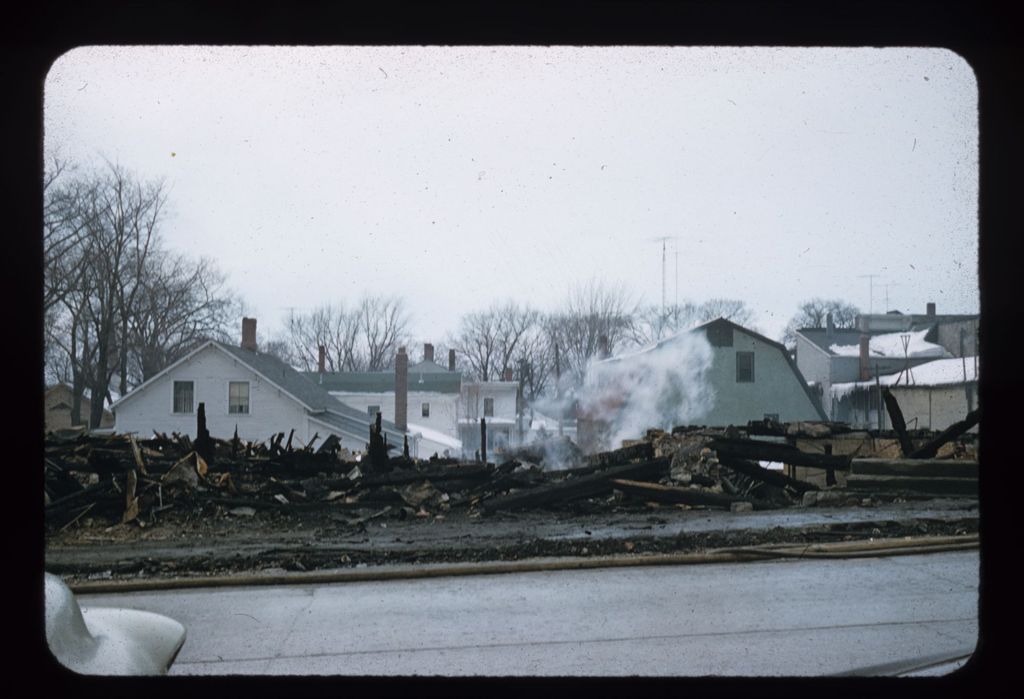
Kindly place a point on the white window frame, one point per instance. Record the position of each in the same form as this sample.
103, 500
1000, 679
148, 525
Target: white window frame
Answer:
248, 398
174, 384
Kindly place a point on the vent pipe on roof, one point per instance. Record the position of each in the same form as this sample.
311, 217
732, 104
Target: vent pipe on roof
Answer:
249, 334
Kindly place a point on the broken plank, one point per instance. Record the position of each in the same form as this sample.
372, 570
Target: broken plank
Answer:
582, 487
770, 451
931, 448
756, 471
687, 496
899, 424
936, 485
643, 451
914, 467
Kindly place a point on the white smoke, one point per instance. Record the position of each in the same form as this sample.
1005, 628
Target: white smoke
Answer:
659, 387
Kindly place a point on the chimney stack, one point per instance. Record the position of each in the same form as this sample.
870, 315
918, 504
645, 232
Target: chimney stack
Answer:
428, 352
930, 308
249, 334
402, 389
508, 375
602, 347
865, 369
451, 360
830, 326
323, 359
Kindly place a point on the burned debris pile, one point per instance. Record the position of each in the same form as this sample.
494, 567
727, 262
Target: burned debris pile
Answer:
123, 479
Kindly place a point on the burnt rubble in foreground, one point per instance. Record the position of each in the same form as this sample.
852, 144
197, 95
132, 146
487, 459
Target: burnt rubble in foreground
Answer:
123, 479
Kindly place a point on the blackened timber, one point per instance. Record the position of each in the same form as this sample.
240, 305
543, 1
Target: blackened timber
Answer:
899, 424
685, 496
644, 451
943, 486
203, 444
483, 440
582, 487
944, 468
756, 471
783, 453
930, 449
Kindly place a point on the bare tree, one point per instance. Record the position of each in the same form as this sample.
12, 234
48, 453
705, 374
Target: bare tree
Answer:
330, 326
383, 325
490, 339
731, 309
594, 313
814, 314
651, 323
179, 304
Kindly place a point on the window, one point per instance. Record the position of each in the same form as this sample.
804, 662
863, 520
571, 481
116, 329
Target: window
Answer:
238, 397
488, 407
372, 410
426, 410
744, 367
183, 394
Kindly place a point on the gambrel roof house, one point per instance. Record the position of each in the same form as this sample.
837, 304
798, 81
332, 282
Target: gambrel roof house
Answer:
716, 374
243, 389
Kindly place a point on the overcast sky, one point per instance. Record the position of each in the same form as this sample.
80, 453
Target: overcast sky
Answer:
458, 176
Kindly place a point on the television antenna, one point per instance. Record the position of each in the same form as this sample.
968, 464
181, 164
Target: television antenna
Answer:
663, 239
871, 290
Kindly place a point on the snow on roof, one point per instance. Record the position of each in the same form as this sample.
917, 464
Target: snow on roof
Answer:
891, 345
436, 436
941, 372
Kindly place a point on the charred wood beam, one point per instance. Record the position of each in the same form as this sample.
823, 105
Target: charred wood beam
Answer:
582, 487
936, 485
684, 496
92, 492
945, 468
758, 472
899, 424
931, 448
644, 451
768, 451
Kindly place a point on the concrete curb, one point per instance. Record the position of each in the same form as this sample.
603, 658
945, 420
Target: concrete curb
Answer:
845, 549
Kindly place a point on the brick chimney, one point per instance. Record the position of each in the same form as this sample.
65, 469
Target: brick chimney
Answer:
451, 360
402, 389
428, 352
865, 369
508, 375
249, 334
602, 347
830, 326
322, 362
930, 308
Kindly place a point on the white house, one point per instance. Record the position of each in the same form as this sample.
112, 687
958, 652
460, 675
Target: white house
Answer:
432, 402
244, 389
875, 347
933, 395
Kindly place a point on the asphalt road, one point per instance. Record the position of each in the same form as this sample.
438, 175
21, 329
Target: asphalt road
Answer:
784, 617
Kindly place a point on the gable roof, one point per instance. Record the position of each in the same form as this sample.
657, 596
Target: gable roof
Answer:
293, 383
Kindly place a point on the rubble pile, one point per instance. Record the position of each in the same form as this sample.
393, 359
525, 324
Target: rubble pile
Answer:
122, 479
